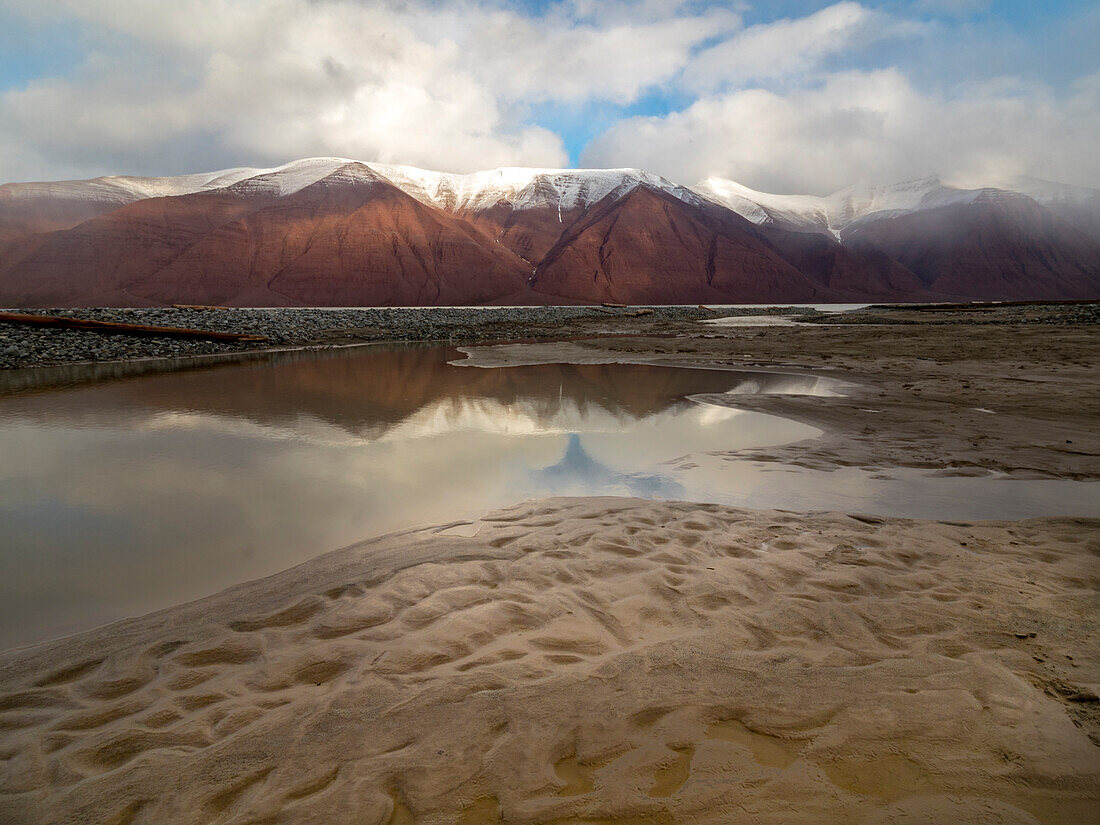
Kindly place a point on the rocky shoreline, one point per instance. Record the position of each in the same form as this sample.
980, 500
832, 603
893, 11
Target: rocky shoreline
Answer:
32, 356
29, 346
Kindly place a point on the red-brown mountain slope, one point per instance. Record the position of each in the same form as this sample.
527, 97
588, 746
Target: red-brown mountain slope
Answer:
329, 231
651, 247
1003, 247
350, 238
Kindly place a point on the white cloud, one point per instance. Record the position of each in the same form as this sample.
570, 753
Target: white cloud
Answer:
792, 46
254, 82
185, 85
171, 87
525, 59
867, 126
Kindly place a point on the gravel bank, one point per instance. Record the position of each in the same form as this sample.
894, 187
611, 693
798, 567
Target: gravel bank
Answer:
1060, 314
39, 356
28, 346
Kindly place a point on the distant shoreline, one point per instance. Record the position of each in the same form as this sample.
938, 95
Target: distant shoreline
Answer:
37, 358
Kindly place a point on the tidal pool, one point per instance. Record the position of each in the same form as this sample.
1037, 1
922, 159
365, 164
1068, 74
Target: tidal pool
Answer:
126, 496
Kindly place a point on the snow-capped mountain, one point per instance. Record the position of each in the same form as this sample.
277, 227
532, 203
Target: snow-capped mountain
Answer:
340, 231
836, 212
49, 205
522, 188
123, 188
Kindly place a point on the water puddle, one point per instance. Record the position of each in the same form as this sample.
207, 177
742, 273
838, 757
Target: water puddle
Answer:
754, 321
135, 494
887, 777
961, 494
668, 779
769, 751
579, 777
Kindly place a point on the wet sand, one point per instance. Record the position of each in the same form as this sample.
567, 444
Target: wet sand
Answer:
616, 660
592, 660
1022, 399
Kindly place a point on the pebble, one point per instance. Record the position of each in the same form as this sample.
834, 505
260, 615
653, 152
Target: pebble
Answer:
29, 346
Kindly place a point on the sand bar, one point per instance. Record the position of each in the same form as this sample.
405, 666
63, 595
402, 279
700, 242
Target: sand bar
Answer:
591, 660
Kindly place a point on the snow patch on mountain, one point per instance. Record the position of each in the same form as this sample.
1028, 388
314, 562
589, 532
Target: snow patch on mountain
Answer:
524, 188
123, 189
839, 211
295, 176
762, 207
278, 181
563, 190
519, 188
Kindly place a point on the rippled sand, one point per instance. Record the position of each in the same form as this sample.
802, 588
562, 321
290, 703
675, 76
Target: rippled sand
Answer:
591, 661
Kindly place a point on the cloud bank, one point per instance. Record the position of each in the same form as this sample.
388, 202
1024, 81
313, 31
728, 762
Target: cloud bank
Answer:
688, 89
867, 126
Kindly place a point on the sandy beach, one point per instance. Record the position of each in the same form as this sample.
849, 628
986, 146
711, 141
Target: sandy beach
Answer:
613, 660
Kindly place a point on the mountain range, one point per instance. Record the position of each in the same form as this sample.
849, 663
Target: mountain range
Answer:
338, 232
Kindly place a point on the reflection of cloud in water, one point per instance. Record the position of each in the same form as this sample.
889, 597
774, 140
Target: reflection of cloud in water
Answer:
127, 496
369, 393
578, 471
445, 418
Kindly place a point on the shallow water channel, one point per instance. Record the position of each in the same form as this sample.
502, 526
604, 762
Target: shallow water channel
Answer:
125, 496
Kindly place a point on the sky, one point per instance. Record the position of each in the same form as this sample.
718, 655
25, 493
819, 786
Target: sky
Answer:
792, 96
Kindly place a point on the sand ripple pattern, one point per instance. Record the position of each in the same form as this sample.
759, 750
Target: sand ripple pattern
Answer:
591, 661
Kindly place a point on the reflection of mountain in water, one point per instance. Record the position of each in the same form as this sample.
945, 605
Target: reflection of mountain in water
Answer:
368, 392
578, 471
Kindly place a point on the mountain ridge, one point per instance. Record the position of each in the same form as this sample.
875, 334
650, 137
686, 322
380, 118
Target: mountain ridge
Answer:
337, 230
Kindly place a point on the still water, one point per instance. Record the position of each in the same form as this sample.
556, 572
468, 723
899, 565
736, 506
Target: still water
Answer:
126, 496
